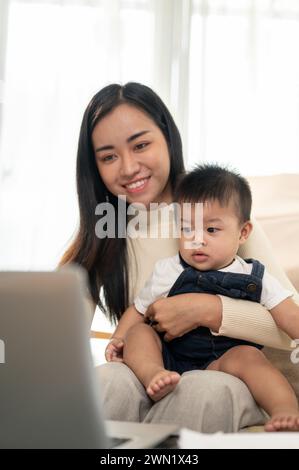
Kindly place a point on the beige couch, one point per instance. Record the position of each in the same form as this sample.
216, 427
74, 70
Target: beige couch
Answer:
276, 207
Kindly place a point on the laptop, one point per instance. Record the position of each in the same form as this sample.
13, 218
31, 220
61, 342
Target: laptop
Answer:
50, 396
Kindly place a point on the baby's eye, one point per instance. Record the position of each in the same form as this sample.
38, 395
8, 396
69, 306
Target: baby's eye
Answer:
212, 229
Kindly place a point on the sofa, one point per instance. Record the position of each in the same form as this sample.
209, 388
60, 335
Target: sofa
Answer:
276, 207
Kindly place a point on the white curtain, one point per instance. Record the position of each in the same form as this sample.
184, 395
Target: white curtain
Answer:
228, 70
244, 84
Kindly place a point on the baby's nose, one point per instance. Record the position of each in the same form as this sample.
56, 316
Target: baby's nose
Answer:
194, 244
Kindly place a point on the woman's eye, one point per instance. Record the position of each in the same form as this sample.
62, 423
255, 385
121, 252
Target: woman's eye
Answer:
186, 229
141, 146
212, 229
107, 158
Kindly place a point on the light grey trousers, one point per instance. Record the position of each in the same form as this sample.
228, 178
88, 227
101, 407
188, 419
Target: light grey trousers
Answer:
205, 401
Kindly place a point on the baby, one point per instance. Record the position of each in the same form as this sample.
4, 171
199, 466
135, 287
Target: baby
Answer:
207, 262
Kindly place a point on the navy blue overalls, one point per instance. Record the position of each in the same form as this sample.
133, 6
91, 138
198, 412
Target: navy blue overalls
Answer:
198, 348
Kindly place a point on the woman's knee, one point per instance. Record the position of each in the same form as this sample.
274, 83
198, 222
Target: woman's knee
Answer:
115, 373
121, 393
208, 402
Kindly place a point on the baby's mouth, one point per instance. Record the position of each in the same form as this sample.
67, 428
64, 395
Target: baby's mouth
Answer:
199, 256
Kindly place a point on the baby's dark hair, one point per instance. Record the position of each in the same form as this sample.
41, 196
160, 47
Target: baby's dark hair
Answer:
211, 182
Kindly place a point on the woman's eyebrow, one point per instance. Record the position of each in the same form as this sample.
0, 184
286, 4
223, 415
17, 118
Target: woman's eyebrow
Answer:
135, 136
186, 221
129, 139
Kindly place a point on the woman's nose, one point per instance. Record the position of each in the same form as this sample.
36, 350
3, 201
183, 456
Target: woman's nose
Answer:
129, 165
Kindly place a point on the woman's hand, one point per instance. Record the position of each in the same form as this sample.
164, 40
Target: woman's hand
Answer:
182, 313
114, 350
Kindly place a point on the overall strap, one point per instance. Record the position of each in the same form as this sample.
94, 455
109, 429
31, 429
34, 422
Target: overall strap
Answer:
258, 268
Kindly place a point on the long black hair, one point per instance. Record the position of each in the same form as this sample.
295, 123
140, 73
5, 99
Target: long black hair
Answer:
105, 259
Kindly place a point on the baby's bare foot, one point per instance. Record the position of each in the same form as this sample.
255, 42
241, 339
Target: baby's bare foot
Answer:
283, 421
162, 383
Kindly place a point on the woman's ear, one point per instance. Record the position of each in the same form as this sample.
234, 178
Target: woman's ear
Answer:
245, 231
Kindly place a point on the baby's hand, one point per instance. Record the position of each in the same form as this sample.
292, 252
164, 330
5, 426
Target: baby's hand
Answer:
114, 350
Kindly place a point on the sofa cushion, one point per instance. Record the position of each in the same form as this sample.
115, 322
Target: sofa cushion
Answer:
276, 207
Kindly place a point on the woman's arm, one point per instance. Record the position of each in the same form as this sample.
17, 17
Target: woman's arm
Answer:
248, 320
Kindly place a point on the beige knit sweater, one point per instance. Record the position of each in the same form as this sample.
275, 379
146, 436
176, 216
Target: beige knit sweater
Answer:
241, 319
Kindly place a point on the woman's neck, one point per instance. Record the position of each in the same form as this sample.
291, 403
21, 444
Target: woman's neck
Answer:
166, 196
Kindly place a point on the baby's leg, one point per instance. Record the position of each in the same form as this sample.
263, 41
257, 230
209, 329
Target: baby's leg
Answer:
268, 386
143, 354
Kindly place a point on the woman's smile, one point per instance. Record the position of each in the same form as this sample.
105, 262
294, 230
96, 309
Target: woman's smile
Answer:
138, 185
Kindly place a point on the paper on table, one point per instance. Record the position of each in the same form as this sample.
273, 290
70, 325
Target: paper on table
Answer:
245, 440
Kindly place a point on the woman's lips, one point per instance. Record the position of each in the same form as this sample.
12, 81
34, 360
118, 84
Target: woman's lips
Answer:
138, 185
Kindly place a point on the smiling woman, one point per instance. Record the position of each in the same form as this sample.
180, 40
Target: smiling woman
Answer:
141, 161
132, 164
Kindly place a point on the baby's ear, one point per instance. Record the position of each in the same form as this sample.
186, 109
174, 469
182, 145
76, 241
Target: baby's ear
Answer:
245, 231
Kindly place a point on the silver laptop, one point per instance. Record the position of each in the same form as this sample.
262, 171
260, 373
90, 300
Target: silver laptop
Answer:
49, 392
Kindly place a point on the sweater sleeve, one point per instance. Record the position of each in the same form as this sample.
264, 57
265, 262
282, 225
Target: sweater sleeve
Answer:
249, 320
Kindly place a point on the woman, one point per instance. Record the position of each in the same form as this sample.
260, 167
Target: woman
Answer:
129, 146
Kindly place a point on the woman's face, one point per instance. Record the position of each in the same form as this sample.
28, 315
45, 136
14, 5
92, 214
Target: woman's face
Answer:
132, 156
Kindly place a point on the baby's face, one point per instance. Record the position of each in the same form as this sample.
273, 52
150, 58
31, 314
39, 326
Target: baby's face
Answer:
217, 243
